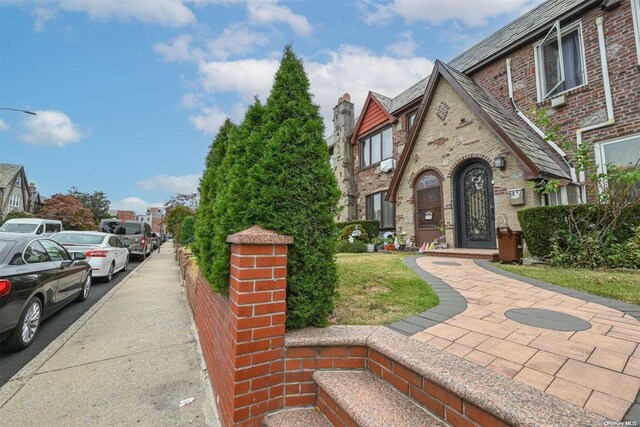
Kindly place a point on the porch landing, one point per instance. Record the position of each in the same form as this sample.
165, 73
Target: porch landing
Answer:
490, 254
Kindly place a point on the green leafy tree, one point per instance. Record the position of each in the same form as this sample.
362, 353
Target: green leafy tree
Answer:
97, 202
296, 193
211, 180
189, 200
188, 230
70, 211
16, 214
175, 218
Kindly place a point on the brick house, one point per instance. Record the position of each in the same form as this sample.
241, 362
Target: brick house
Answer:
458, 148
16, 194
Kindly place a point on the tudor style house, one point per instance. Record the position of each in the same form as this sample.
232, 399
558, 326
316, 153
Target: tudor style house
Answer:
16, 194
459, 148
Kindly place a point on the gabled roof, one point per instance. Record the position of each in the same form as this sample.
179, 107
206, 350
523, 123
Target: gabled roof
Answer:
531, 24
7, 173
371, 98
533, 152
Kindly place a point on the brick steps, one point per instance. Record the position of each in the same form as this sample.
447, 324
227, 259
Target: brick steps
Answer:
491, 255
359, 398
297, 417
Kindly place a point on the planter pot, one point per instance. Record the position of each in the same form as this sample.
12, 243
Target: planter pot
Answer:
444, 245
402, 247
371, 248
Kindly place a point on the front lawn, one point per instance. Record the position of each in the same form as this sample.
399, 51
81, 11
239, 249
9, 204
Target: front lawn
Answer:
614, 284
378, 289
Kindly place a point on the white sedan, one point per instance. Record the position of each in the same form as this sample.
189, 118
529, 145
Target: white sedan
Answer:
105, 252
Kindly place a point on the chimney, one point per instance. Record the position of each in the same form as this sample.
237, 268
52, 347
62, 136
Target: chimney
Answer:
343, 125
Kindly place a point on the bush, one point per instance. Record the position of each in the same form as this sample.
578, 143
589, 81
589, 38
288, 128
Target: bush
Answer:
546, 228
344, 247
175, 219
372, 227
15, 215
348, 230
188, 230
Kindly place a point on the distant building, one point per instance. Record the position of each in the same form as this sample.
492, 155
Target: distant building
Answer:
126, 215
155, 218
16, 194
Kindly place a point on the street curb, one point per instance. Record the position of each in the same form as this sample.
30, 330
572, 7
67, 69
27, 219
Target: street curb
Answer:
15, 384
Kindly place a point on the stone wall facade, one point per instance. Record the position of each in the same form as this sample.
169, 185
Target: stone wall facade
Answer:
445, 146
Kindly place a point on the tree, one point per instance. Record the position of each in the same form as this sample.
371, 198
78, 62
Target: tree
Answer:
211, 180
295, 193
70, 211
188, 200
231, 206
16, 214
188, 230
175, 218
97, 202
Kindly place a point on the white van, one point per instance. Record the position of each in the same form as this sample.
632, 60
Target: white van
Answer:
39, 226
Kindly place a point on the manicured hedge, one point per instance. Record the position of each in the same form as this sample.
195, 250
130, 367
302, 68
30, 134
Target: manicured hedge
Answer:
371, 227
541, 224
344, 247
348, 231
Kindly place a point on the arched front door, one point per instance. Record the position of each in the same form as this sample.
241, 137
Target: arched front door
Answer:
475, 216
428, 197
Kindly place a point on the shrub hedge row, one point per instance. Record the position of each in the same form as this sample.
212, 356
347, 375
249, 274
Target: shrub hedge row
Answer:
541, 225
371, 227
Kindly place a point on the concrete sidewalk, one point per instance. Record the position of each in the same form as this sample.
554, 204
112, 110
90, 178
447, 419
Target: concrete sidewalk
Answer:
130, 360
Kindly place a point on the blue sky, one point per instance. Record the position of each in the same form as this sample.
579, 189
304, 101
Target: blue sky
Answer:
129, 93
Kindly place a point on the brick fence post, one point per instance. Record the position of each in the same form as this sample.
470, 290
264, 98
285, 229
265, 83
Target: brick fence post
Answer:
257, 300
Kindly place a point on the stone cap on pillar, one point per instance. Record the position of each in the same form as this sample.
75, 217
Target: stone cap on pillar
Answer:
257, 235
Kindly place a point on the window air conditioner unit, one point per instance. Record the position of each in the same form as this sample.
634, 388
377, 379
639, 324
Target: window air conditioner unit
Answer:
387, 165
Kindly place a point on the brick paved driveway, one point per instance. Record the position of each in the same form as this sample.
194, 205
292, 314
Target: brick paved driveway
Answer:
598, 369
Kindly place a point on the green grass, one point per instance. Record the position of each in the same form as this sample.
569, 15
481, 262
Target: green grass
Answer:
378, 289
615, 284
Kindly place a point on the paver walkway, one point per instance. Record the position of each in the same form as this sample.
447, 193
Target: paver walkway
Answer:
598, 368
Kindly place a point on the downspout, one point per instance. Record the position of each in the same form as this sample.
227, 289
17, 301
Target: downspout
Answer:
535, 128
607, 95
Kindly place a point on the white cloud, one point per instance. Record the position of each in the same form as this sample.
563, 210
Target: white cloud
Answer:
249, 77
190, 101
267, 11
209, 120
50, 127
170, 13
404, 46
235, 39
4, 126
136, 204
185, 184
471, 12
178, 50
42, 15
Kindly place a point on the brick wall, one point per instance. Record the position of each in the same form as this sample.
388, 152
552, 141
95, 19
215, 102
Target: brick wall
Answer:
242, 334
586, 104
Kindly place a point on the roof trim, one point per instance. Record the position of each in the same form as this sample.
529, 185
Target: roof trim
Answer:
531, 171
370, 98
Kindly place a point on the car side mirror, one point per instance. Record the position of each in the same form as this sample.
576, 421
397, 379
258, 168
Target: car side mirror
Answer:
126, 246
78, 256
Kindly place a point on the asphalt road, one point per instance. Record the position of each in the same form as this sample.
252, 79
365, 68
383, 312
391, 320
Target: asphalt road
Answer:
52, 327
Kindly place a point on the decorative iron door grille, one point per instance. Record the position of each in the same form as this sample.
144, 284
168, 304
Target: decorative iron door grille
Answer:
475, 210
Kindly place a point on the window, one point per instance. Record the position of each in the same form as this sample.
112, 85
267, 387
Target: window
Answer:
331, 156
621, 152
377, 147
19, 181
411, 118
15, 201
560, 61
52, 228
635, 9
380, 209
35, 253
55, 251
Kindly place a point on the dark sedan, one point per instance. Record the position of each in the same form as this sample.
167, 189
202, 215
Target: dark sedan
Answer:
37, 278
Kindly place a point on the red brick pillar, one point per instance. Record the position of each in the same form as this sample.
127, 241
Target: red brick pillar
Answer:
257, 300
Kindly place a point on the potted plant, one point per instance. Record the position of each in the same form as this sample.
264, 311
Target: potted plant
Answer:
442, 240
402, 241
389, 246
377, 243
371, 247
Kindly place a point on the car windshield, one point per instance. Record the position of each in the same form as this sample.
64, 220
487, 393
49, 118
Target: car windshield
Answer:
13, 227
78, 238
121, 227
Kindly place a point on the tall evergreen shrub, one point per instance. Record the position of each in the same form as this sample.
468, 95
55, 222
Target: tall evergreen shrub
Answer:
188, 230
295, 193
209, 185
232, 203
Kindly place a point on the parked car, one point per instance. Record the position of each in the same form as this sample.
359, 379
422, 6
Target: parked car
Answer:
38, 277
44, 227
135, 235
105, 252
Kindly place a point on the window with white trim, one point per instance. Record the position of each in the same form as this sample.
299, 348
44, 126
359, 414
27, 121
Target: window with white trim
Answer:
621, 152
635, 10
380, 209
560, 61
377, 147
19, 181
15, 201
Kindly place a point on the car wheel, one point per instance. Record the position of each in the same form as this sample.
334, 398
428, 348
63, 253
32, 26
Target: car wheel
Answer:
84, 293
28, 324
126, 263
109, 277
